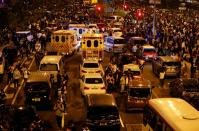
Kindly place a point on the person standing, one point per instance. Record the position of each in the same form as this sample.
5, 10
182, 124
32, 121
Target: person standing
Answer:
25, 74
59, 111
123, 83
162, 76
16, 77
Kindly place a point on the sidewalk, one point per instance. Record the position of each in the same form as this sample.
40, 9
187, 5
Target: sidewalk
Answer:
9, 89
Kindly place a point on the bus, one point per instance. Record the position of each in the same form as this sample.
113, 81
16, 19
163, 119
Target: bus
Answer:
92, 46
64, 42
170, 114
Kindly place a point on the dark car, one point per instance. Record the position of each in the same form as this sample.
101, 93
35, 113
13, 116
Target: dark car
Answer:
38, 89
20, 119
169, 64
186, 88
102, 113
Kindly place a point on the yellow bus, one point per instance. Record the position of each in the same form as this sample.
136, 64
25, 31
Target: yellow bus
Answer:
64, 41
92, 46
170, 114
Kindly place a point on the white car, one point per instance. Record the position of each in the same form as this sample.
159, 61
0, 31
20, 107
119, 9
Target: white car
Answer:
91, 66
92, 83
117, 32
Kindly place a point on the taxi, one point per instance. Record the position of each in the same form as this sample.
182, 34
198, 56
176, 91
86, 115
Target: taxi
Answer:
148, 52
92, 83
134, 68
91, 66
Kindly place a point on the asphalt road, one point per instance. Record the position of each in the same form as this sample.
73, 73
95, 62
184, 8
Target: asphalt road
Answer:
76, 110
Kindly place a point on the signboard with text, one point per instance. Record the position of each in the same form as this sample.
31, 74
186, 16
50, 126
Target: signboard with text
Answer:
155, 2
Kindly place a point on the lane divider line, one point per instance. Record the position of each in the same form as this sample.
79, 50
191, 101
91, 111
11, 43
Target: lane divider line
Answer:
122, 124
21, 84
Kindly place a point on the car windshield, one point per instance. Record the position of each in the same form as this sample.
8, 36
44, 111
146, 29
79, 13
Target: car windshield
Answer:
171, 64
90, 65
37, 87
191, 85
48, 67
139, 92
106, 111
119, 41
94, 80
149, 50
139, 42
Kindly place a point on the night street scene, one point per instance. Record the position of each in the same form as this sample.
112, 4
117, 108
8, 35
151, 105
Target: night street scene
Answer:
99, 65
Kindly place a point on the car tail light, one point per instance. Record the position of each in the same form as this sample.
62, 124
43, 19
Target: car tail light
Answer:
103, 88
83, 71
86, 88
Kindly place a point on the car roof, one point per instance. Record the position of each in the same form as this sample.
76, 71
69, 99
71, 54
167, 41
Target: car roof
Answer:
92, 75
101, 100
148, 47
137, 38
168, 59
116, 37
38, 77
90, 61
50, 59
132, 67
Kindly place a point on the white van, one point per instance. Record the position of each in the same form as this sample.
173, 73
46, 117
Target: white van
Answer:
51, 64
115, 44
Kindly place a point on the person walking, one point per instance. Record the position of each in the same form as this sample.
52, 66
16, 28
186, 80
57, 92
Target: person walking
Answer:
16, 77
59, 111
123, 83
162, 77
25, 74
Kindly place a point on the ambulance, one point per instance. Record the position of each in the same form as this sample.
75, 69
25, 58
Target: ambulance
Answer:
64, 42
79, 28
92, 46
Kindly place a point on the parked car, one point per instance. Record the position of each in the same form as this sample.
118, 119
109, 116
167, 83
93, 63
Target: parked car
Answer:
91, 66
186, 88
102, 113
92, 83
169, 64
38, 89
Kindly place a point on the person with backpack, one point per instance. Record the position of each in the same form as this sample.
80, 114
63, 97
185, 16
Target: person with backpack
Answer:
16, 77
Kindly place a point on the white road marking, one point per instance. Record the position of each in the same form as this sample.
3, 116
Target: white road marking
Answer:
21, 84
121, 122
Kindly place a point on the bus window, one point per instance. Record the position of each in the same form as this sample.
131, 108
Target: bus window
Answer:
57, 38
95, 43
88, 43
63, 38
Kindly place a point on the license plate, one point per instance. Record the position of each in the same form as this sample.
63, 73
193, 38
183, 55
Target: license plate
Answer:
103, 123
36, 99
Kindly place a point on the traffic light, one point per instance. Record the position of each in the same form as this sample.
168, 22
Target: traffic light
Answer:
139, 14
98, 8
125, 6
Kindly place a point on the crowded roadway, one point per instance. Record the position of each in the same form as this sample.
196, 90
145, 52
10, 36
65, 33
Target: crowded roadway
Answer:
159, 51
